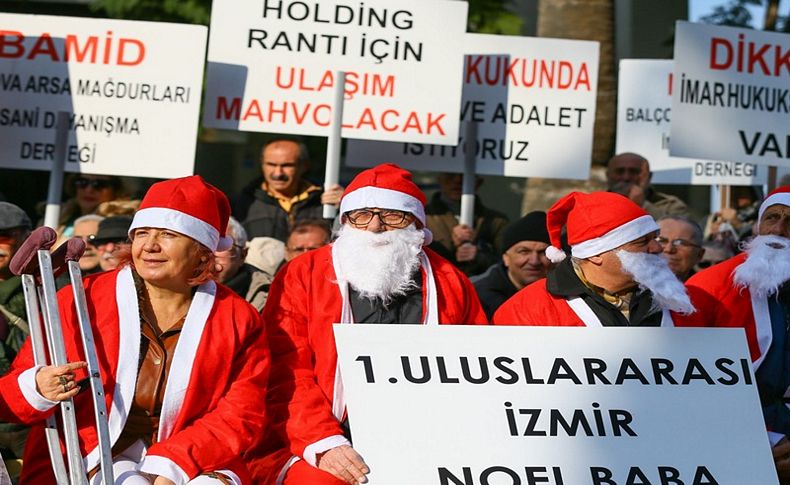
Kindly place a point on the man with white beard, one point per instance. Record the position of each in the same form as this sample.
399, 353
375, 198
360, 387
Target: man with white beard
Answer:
752, 290
615, 276
378, 270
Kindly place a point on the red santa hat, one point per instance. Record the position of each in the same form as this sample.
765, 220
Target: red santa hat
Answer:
596, 223
386, 186
780, 195
189, 206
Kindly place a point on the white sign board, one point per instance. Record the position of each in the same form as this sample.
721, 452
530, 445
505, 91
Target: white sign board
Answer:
644, 113
132, 90
272, 63
533, 100
731, 95
466, 405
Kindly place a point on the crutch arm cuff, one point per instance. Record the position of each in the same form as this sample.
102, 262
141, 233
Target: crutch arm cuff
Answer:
27, 384
164, 467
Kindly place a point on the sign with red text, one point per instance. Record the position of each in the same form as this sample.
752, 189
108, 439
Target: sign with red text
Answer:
272, 64
644, 113
468, 405
533, 100
131, 90
731, 95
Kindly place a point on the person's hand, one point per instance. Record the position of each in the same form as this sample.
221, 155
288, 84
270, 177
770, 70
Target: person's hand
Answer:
637, 194
160, 480
781, 452
466, 252
332, 195
462, 234
56, 383
344, 463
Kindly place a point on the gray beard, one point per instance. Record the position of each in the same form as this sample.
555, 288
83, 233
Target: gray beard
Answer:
767, 265
378, 265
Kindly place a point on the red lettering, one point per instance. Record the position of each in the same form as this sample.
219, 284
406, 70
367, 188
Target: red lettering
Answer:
327, 81
583, 79
44, 46
435, 123
274, 111
122, 50
302, 85
757, 58
253, 110
412, 123
472, 68
510, 73
566, 68
669, 86
300, 119
715, 43
367, 119
228, 112
280, 84
385, 125
72, 49
328, 119
11, 39
782, 60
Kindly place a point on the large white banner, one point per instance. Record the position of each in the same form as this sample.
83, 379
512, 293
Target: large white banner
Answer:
533, 100
466, 405
272, 63
731, 95
644, 115
132, 91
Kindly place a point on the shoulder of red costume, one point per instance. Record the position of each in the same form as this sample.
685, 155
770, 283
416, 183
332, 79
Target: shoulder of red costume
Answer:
719, 275
532, 297
439, 264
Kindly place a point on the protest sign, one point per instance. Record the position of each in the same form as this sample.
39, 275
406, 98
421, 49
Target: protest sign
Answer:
132, 91
272, 63
466, 405
731, 95
533, 100
644, 114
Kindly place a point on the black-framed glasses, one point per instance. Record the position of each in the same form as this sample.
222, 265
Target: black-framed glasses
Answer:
388, 217
676, 243
96, 184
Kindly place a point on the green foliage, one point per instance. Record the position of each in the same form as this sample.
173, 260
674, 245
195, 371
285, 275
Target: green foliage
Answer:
736, 14
183, 11
493, 17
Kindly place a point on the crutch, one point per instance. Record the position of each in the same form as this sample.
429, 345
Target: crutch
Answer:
41, 302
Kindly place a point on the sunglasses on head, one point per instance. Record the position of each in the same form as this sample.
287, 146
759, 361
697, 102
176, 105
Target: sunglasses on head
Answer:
97, 184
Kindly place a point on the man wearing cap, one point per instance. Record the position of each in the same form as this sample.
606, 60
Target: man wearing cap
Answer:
112, 237
629, 174
15, 226
523, 262
615, 276
376, 271
752, 291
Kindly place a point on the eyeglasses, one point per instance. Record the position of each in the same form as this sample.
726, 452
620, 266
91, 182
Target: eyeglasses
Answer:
676, 243
389, 217
96, 184
89, 239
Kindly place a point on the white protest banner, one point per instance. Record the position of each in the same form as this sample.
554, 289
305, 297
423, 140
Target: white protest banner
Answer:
132, 90
644, 113
731, 95
467, 405
533, 99
271, 66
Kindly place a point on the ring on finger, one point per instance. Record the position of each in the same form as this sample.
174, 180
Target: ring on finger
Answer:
63, 381
65, 389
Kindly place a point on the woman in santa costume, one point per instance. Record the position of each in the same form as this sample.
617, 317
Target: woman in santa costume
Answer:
377, 271
614, 277
184, 361
752, 291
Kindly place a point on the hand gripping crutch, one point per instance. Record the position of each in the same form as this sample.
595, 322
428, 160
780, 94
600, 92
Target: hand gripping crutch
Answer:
34, 256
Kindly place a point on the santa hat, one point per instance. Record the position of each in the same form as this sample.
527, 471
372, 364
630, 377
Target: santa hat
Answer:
386, 186
189, 206
780, 195
596, 223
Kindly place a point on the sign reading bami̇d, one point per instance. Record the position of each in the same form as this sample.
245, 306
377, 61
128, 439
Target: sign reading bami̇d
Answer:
131, 91
272, 64
469, 405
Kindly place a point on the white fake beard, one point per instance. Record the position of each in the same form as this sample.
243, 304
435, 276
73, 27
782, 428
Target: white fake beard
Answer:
767, 265
652, 272
378, 265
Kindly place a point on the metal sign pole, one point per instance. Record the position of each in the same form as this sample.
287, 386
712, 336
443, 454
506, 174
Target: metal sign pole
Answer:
468, 187
52, 213
332, 174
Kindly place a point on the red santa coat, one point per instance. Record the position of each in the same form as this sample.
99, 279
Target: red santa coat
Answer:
535, 306
304, 302
720, 303
212, 409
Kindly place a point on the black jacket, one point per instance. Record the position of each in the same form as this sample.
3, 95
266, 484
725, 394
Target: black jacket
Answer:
493, 288
261, 214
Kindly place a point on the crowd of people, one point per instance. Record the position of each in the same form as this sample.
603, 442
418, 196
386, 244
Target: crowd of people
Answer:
214, 314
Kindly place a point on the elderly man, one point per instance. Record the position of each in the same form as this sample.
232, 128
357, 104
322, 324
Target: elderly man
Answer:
85, 228
752, 291
523, 262
376, 271
615, 277
629, 174
112, 237
681, 239
244, 279
15, 226
306, 236
271, 205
